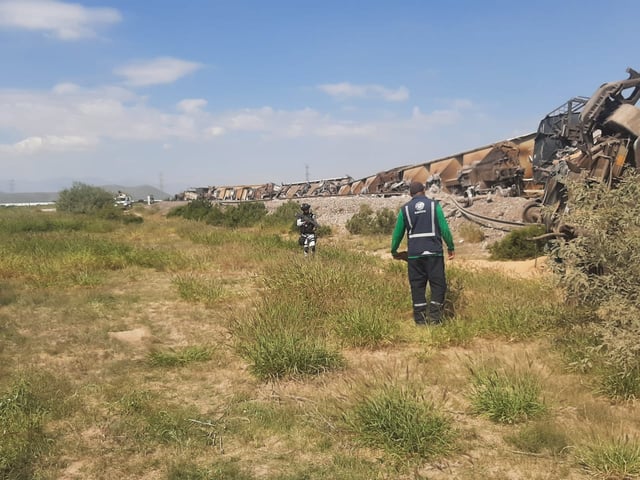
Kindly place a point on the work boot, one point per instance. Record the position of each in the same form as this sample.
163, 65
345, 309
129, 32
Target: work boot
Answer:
420, 317
435, 313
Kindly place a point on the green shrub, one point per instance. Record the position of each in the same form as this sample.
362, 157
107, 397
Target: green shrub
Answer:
599, 270
197, 209
245, 214
368, 222
285, 215
518, 244
82, 198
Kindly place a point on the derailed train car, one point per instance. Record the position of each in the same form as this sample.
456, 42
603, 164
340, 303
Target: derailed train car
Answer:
505, 166
587, 139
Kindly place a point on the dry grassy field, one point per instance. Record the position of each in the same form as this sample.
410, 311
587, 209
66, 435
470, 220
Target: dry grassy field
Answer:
171, 349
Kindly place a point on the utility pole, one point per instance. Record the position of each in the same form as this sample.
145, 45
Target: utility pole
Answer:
161, 182
12, 185
306, 172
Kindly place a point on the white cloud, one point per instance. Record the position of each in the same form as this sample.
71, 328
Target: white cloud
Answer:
107, 112
49, 143
215, 131
192, 105
447, 116
69, 117
157, 71
66, 21
346, 130
271, 123
65, 88
251, 120
348, 90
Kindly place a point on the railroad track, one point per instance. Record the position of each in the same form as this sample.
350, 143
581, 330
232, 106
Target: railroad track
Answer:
489, 222
496, 223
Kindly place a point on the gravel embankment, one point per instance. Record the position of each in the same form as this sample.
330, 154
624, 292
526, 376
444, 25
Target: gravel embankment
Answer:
336, 211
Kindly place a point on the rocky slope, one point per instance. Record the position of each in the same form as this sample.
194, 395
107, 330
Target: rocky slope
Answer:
336, 211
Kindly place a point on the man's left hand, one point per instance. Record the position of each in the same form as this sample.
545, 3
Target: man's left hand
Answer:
400, 256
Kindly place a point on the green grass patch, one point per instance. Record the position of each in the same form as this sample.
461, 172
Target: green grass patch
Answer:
197, 288
496, 304
79, 259
140, 417
275, 354
615, 458
506, 396
180, 357
280, 340
221, 470
402, 423
540, 437
366, 327
25, 407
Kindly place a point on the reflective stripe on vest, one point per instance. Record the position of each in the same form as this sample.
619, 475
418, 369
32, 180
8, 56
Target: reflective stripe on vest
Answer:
432, 233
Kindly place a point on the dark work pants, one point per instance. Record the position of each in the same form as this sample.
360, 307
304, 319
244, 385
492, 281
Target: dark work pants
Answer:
423, 271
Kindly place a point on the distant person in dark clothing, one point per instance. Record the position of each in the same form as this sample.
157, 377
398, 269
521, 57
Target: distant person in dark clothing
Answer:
307, 225
426, 227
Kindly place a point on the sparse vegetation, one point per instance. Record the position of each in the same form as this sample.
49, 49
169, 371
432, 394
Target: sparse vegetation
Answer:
367, 222
199, 288
245, 214
183, 350
599, 271
541, 437
180, 357
29, 403
471, 233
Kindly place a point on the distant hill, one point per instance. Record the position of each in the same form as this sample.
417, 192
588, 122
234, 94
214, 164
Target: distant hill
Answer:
30, 197
140, 192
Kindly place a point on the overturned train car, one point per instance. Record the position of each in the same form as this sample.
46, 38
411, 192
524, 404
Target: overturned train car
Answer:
504, 167
588, 139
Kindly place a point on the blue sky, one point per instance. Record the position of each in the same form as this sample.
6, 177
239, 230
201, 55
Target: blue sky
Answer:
206, 92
